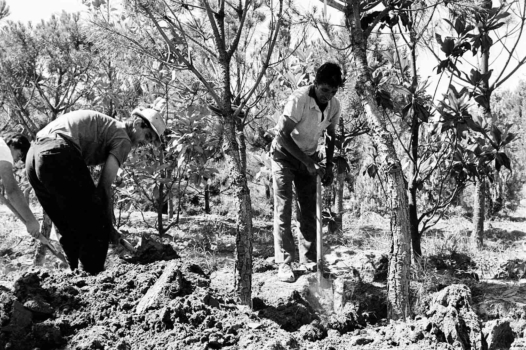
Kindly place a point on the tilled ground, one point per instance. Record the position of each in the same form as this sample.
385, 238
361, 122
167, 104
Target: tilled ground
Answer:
175, 304
157, 300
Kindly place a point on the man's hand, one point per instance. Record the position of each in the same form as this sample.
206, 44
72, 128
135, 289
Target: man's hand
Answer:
33, 228
315, 169
312, 168
328, 177
115, 236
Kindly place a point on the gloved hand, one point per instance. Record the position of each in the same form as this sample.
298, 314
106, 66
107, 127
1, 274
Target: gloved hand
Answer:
328, 177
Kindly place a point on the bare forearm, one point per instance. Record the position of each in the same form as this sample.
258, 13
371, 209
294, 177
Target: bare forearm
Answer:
288, 143
107, 203
16, 198
329, 150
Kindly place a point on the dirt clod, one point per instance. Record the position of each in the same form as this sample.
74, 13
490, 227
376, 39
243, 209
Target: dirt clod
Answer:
453, 319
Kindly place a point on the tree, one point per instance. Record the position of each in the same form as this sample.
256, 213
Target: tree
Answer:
63, 69
18, 66
205, 39
477, 31
371, 97
4, 9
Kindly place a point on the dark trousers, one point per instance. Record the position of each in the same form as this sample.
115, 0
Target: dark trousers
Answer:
287, 170
65, 189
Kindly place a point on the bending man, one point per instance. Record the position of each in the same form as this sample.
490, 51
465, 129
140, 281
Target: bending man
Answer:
309, 112
57, 168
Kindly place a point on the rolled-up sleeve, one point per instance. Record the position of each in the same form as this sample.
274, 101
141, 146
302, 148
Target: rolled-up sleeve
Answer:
293, 108
120, 148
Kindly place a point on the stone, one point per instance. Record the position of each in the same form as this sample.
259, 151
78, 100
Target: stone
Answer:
361, 340
7, 286
498, 334
454, 320
39, 307
20, 318
344, 289
312, 332
158, 292
518, 344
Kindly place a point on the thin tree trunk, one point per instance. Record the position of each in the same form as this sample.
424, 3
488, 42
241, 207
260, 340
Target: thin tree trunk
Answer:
415, 133
170, 205
412, 190
485, 112
207, 197
235, 152
400, 253
477, 236
45, 230
160, 203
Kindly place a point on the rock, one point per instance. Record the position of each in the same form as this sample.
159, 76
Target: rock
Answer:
332, 333
149, 250
518, 344
20, 318
96, 337
498, 334
169, 282
360, 340
312, 332
453, 319
39, 307
28, 284
48, 334
123, 345
7, 286
262, 265
281, 342
512, 269
344, 289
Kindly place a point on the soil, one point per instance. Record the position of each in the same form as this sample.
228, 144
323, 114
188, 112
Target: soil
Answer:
178, 294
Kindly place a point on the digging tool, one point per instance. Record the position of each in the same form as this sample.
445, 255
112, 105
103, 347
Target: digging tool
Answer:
319, 235
40, 237
126, 244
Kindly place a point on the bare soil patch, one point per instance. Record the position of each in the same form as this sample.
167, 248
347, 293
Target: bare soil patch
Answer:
180, 296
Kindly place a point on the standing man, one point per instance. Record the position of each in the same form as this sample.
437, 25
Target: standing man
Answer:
13, 148
57, 168
309, 112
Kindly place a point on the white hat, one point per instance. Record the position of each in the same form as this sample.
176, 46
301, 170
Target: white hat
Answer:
153, 118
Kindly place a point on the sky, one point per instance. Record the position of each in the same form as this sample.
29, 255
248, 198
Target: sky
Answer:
36, 10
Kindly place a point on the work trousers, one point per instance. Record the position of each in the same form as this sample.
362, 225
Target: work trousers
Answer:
288, 171
65, 189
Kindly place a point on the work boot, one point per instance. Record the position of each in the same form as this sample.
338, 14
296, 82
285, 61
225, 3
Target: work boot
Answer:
285, 273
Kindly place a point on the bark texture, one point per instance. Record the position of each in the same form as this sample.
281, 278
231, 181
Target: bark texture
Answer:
400, 254
479, 203
479, 197
45, 230
235, 152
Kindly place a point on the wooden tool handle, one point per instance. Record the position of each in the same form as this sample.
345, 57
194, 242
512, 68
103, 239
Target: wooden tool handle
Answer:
40, 237
319, 227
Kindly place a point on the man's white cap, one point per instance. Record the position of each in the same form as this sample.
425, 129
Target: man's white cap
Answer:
153, 118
